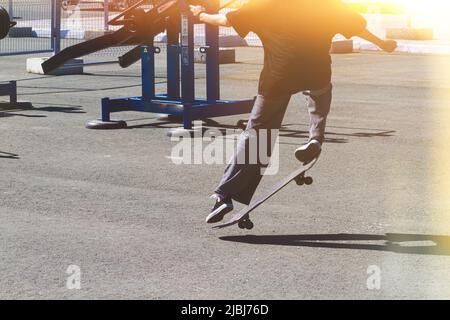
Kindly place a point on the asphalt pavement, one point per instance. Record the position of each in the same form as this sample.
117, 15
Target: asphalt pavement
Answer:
375, 224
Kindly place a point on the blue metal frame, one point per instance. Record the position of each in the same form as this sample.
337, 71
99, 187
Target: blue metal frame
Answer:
180, 99
9, 89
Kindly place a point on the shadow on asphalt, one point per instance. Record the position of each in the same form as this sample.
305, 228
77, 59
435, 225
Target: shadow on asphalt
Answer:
284, 131
8, 155
10, 110
14, 114
71, 90
393, 242
7, 106
62, 109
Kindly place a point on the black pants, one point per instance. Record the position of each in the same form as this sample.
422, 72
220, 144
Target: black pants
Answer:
241, 178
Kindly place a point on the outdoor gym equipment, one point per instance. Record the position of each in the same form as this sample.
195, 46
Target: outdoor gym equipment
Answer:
139, 27
10, 88
5, 23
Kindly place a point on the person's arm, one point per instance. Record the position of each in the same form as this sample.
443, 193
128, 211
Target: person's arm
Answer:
386, 45
219, 20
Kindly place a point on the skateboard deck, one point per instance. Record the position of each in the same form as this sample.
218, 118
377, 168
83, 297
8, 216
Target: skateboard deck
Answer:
243, 217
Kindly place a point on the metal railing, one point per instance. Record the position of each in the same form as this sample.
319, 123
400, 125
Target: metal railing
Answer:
52, 25
34, 19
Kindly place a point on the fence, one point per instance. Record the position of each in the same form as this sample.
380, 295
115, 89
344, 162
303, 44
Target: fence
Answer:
51, 25
89, 19
32, 16
77, 20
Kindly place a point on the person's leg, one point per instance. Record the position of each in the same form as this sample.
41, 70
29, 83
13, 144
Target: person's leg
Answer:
241, 179
318, 102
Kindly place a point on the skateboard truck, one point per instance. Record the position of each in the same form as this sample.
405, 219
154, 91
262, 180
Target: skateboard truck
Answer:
302, 180
242, 218
246, 223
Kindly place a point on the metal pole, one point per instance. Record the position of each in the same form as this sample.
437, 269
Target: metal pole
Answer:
10, 9
148, 71
187, 56
106, 14
56, 26
173, 61
106, 114
187, 64
13, 94
212, 60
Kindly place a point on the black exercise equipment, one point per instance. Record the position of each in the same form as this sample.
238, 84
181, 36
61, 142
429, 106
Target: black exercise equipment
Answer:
10, 88
138, 28
5, 23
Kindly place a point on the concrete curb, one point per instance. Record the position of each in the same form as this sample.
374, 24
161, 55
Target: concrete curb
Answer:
415, 48
75, 66
226, 56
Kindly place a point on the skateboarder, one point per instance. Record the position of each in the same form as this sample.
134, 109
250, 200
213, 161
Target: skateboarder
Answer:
296, 35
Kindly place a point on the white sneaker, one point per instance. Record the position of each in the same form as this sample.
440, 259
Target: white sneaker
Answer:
308, 152
220, 209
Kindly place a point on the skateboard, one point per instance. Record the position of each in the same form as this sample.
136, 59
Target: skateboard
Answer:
242, 218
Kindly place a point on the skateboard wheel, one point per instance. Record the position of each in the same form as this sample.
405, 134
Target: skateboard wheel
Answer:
309, 181
246, 224
242, 224
300, 181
